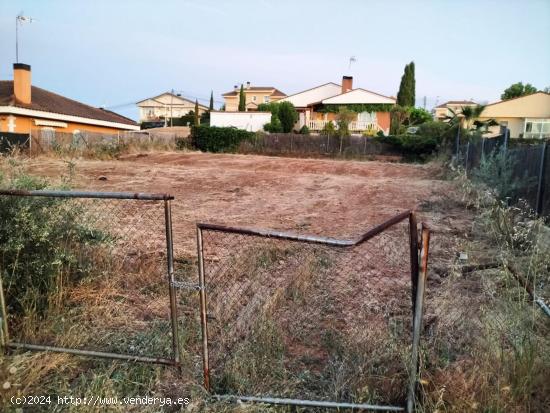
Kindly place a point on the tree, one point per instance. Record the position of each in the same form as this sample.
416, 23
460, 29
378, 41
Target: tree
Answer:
242, 100
398, 116
287, 115
418, 116
407, 93
517, 90
196, 114
211, 107
466, 116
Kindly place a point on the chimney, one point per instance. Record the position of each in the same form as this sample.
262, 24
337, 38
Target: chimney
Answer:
248, 85
347, 83
22, 83
236, 88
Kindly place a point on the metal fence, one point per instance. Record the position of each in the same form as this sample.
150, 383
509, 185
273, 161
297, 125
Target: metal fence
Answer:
530, 166
9, 141
313, 321
88, 273
316, 145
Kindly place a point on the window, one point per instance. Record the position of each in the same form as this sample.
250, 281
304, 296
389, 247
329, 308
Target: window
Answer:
537, 128
266, 99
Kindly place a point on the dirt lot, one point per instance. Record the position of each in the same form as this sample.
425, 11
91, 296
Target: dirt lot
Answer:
323, 197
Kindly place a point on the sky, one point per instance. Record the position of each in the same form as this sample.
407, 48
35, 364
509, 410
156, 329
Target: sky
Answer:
115, 53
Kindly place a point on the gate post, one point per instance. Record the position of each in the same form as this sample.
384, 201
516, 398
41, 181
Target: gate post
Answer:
171, 281
413, 234
417, 320
204, 319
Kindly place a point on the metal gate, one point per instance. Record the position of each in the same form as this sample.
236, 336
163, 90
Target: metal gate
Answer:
313, 321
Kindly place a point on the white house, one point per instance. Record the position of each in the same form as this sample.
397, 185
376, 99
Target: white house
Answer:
166, 105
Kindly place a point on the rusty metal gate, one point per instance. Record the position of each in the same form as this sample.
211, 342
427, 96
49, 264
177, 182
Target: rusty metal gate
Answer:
313, 321
82, 273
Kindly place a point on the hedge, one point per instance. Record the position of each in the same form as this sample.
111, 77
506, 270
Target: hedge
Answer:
217, 139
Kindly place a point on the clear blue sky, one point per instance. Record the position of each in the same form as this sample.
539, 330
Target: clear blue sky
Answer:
116, 52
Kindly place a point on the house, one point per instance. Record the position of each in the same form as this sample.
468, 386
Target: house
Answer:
448, 109
24, 108
254, 95
525, 116
319, 105
166, 105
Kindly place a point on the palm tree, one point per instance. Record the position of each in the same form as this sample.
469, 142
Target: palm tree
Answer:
466, 116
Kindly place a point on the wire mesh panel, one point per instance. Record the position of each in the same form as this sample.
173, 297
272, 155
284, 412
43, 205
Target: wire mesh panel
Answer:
309, 320
87, 273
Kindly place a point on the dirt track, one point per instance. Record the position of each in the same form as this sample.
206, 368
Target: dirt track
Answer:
324, 197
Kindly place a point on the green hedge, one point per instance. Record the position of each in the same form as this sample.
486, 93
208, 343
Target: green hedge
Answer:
411, 146
216, 139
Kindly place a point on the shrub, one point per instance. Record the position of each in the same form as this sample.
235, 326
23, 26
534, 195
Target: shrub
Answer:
216, 139
39, 256
283, 114
419, 116
274, 126
411, 146
496, 171
329, 129
304, 130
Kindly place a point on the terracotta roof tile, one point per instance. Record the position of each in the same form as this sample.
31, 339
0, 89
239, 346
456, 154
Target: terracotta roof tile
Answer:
46, 101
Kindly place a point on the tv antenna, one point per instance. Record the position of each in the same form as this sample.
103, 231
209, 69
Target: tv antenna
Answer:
20, 20
352, 59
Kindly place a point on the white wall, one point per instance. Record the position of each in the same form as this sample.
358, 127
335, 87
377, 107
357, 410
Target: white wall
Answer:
250, 121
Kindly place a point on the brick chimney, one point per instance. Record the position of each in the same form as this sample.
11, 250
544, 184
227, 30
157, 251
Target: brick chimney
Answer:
347, 83
22, 83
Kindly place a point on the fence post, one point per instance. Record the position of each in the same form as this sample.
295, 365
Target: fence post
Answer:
413, 234
457, 143
417, 319
204, 319
506, 132
540, 189
467, 157
4, 327
171, 281
482, 148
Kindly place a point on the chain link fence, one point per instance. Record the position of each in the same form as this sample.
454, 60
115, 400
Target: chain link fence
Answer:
529, 164
317, 145
310, 318
86, 273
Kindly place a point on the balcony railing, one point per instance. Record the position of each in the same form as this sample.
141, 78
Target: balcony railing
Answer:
354, 126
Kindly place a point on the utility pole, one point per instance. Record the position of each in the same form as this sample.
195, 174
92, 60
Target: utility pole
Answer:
424, 102
171, 106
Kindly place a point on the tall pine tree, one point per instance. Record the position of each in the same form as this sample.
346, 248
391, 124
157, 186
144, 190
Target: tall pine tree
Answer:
406, 94
211, 107
242, 102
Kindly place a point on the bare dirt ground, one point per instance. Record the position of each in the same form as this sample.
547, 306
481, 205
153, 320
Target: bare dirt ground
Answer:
324, 197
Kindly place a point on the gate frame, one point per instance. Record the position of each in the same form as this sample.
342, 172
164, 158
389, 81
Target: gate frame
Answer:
418, 287
5, 342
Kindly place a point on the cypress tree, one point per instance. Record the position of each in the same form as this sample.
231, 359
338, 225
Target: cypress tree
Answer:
406, 94
211, 107
412, 85
242, 102
196, 114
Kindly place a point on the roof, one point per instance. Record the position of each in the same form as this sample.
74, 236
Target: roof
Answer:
171, 96
46, 101
456, 102
274, 91
358, 96
314, 95
535, 105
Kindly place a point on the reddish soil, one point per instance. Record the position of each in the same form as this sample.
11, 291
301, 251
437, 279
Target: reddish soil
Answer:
324, 197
